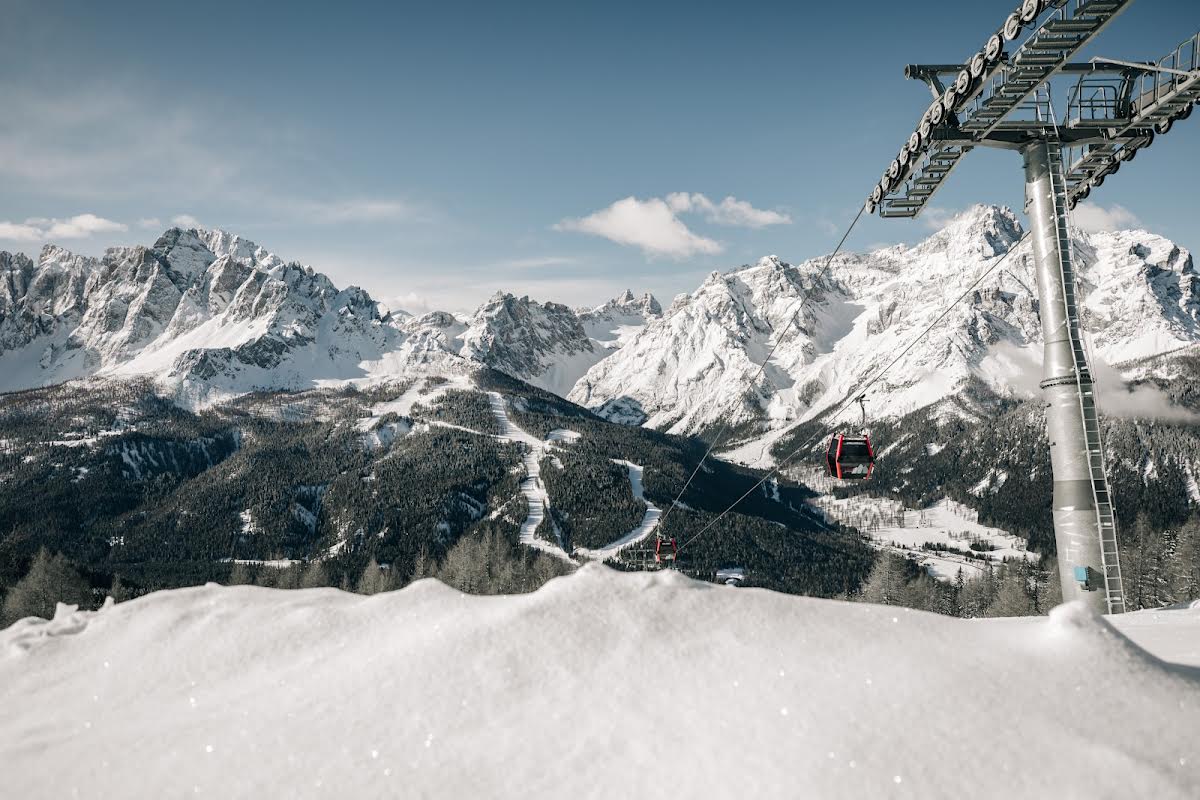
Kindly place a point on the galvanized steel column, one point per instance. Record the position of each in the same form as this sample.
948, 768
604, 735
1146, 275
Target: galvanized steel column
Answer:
1076, 525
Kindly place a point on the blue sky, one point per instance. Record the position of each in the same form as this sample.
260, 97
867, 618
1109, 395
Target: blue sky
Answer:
436, 152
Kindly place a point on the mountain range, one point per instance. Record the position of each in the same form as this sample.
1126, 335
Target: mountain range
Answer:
210, 316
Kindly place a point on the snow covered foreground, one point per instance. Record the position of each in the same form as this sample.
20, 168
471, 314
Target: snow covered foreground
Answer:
599, 685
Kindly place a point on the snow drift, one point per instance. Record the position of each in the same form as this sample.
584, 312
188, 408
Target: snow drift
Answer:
599, 685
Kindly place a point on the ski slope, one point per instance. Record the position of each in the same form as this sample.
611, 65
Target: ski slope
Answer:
601, 684
644, 528
536, 496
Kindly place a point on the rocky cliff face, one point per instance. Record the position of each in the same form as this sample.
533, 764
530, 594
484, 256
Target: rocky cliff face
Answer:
703, 362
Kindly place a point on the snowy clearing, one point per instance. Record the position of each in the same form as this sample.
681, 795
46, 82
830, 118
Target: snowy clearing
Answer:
419, 392
252, 692
893, 526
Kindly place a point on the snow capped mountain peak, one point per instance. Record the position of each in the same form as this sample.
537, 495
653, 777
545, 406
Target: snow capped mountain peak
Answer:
543, 343
979, 232
828, 331
626, 304
191, 250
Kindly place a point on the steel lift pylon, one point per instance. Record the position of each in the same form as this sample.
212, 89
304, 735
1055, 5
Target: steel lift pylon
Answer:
1114, 109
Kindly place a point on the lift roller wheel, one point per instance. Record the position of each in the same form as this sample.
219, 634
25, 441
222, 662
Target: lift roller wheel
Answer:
993, 48
1030, 10
1164, 126
876, 194
893, 171
950, 100
925, 130
936, 113
963, 83
914, 141
977, 66
1012, 28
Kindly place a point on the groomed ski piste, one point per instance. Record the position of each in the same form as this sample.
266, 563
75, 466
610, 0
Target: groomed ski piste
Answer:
601, 684
537, 499
536, 496
642, 531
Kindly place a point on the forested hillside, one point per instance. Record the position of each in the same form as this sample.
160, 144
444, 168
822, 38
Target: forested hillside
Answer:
397, 481
998, 462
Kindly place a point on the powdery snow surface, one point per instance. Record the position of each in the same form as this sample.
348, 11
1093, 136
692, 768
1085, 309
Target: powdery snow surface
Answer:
602, 684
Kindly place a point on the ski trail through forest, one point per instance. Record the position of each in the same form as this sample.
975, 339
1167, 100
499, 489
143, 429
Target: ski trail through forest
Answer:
644, 528
536, 496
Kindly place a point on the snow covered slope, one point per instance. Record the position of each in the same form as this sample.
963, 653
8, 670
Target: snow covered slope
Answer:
543, 344
599, 685
701, 361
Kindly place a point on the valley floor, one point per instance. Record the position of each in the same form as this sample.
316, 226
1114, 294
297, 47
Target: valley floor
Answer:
601, 684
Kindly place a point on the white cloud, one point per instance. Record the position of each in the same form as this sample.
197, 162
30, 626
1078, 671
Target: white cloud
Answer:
1093, 218
648, 224
185, 221
80, 226
151, 223
18, 232
730, 211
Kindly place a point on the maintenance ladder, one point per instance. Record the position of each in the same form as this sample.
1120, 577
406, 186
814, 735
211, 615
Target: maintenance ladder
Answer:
1105, 518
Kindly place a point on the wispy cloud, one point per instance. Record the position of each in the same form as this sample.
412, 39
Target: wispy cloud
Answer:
730, 211
1094, 218
149, 223
80, 226
99, 142
935, 218
360, 210
536, 262
411, 302
647, 224
185, 221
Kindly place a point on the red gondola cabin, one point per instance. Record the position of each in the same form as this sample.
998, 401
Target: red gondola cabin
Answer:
665, 550
850, 458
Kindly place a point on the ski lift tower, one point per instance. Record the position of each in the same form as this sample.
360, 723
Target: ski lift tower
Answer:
1114, 109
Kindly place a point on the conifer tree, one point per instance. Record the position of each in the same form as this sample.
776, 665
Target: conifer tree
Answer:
119, 592
51, 579
885, 584
1012, 598
314, 576
1186, 579
375, 579
240, 575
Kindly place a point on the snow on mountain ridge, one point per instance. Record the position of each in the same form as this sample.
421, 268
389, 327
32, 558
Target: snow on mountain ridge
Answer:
698, 364
211, 315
